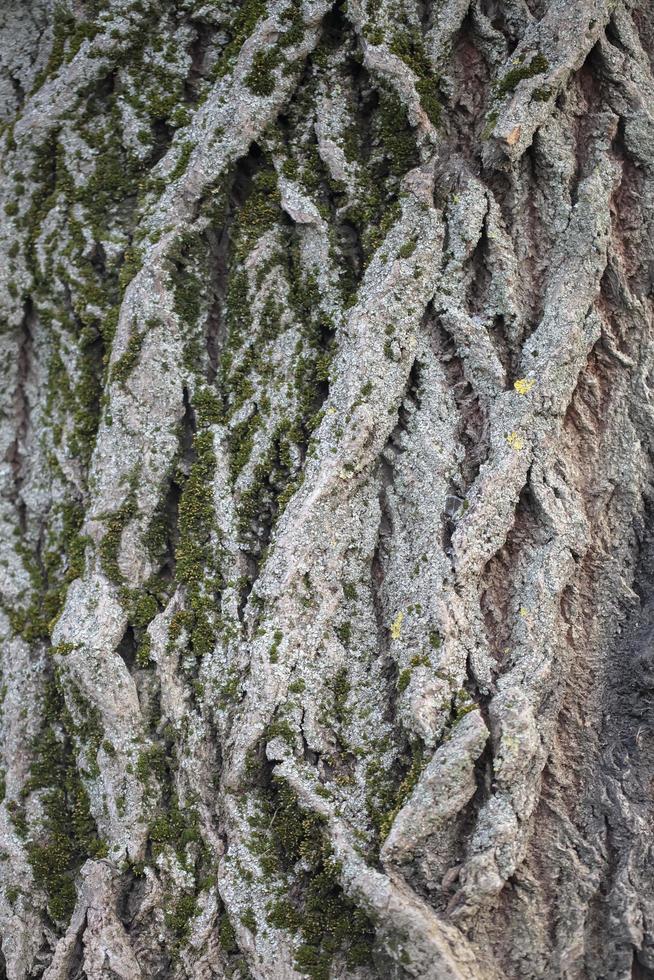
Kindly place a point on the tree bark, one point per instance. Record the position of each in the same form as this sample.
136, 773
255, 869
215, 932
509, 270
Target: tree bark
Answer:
327, 554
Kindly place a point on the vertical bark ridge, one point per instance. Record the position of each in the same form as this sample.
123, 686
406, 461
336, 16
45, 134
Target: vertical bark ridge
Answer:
326, 332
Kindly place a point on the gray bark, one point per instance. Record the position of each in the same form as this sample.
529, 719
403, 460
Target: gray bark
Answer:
327, 565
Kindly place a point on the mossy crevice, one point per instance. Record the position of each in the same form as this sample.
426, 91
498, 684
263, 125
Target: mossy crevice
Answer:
408, 44
328, 925
68, 834
538, 65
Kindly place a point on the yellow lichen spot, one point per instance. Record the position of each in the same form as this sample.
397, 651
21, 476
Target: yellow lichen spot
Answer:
524, 385
523, 611
396, 628
515, 441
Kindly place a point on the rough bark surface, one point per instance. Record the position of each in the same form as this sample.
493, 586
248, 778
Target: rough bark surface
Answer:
327, 561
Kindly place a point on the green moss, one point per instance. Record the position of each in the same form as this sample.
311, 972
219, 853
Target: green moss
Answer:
68, 835
281, 728
290, 168
244, 22
133, 260
182, 162
63, 649
124, 364
403, 680
158, 534
175, 828
143, 652
278, 636
198, 553
249, 921
289, 491
63, 28
269, 486
490, 125
152, 763
282, 914
260, 211
109, 548
241, 441
426, 89
407, 250
226, 935
463, 704
295, 31
230, 687
395, 134
537, 66
389, 787
326, 920
374, 35
197, 514
83, 318
207, 407
344, 633
409, 46
435, 640
404, 790
179, 918
187, 283
340, 686
59, 565
17, 813
276, 475
260, 79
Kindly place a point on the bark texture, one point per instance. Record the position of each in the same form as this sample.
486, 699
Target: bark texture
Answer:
327, 555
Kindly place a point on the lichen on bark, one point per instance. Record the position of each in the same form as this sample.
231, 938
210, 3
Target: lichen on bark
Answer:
326, 504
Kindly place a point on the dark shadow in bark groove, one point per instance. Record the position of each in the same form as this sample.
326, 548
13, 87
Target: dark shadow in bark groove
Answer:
464, 113
384, 534
639, 971
466, 820
202, 44
408, 752
162, 536
479, 300
215, 331
21, 412
126, 649
587, 86
508, 18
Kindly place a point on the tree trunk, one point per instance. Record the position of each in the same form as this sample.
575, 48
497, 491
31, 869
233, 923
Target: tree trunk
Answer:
327, 591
